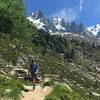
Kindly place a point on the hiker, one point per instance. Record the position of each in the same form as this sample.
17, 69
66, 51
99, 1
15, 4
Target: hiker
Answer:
33, 70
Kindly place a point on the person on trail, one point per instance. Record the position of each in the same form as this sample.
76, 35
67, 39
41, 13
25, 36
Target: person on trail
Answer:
33, 70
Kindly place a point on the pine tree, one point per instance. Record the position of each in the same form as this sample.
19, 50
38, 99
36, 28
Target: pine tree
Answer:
5, 20
80, 28
12, 18
69, 55
73, 27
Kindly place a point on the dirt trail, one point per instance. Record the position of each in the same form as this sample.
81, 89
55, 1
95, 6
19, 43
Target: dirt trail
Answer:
38, 94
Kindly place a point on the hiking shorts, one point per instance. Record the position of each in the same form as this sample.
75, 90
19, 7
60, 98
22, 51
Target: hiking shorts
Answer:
33, 75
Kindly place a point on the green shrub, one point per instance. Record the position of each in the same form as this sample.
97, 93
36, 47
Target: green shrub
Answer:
14, 85
15, 93
48, 83
62, 93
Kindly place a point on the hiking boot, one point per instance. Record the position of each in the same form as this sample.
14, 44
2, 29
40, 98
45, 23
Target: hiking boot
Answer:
33, 86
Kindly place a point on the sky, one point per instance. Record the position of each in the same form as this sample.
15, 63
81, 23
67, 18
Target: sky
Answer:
85, 11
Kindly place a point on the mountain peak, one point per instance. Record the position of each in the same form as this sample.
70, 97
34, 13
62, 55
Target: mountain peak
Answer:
59, 23
98, 25
37, 14
57, 19
94, 29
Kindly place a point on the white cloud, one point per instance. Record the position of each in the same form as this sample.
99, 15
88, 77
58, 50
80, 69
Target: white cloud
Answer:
68, 15
81, 4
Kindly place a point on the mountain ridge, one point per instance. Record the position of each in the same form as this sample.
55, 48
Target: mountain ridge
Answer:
58, 26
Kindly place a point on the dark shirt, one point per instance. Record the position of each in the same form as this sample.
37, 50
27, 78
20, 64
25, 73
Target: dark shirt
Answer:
33, 68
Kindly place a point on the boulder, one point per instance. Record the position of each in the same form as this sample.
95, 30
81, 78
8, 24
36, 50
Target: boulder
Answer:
95, 94
20, 71
12, 72
2, 72
28, 88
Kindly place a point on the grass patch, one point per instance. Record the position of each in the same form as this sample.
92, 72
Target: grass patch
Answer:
48, 83
15, 93
62, 93
14, 86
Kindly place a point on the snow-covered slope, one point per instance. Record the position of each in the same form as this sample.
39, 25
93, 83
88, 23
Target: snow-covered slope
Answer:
37, 23
59, 23
58, 26
54, 25
95, 30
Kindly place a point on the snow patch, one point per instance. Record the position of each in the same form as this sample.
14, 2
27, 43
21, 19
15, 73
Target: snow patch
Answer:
37, 23
59, 27
94, 29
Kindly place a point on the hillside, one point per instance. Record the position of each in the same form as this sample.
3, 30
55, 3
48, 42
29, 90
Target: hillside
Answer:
70, 63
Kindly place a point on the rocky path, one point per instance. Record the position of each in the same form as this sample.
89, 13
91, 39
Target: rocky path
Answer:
38, 94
